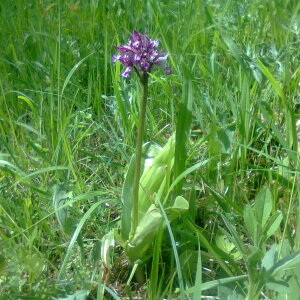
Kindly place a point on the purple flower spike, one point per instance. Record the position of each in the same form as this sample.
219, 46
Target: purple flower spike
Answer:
140, 55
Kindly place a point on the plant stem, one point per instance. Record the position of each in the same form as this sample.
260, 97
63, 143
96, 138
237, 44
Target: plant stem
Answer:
138, 155
254, 288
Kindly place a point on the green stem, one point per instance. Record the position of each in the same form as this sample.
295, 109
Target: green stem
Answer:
138, 156
253, 294
256, 284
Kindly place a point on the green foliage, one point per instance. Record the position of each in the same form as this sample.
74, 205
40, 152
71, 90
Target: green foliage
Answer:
68, 121
265, 269
153, 187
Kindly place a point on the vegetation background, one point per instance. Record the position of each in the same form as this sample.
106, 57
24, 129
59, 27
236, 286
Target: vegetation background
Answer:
67, 131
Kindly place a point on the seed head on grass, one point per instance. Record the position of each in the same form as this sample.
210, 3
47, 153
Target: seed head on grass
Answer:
140, 55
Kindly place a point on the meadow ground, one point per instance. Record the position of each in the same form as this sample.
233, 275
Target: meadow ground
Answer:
68, 132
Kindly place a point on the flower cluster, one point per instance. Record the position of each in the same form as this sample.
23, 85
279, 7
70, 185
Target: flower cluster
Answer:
140, 55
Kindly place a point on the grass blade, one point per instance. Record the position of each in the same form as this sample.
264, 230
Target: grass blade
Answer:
74, 238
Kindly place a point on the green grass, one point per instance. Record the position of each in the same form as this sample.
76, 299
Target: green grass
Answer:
67, 132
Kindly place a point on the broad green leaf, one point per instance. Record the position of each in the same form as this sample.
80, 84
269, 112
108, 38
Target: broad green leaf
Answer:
278, 286
180, 205
289, 262
149, 225
225, 138
227, 246
150, 151
286, 248
270, 258
250, 222
263, 206
273, 224
292, 278
153, 178
150, 184
145, 234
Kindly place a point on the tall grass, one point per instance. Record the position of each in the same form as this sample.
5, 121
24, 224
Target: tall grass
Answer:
67, 126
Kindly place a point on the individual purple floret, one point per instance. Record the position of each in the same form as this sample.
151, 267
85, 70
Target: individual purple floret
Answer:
140, 55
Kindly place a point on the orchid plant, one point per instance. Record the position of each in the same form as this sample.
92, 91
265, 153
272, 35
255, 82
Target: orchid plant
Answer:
140, 55
149, 172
